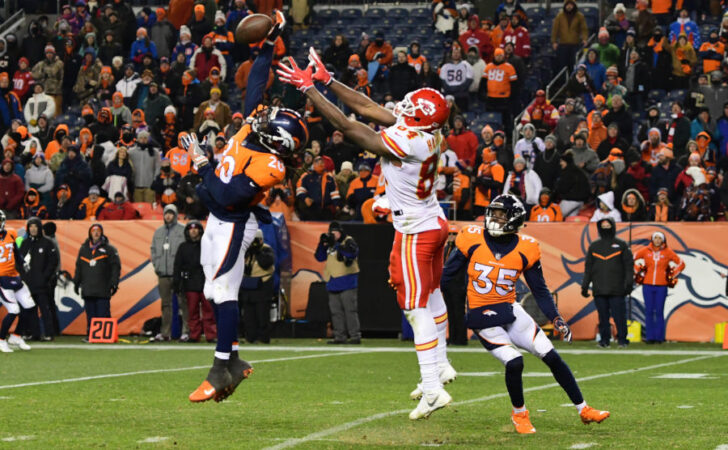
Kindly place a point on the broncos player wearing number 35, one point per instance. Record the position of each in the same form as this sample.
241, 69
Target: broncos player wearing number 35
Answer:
410, 151
496, 256
251, 164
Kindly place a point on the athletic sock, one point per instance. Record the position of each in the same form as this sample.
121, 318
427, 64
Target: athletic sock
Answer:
438, 309
519, 410
514, 382
563, 376
580, 406
227, 328
425, 333
5, 327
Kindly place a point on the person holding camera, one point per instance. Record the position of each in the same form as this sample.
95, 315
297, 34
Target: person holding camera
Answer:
257, 290
97, 274
340, 252
189, 280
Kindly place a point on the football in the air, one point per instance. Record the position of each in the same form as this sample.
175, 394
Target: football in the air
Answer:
253, 28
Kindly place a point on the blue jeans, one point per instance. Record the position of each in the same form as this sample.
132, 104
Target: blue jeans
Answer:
654, 312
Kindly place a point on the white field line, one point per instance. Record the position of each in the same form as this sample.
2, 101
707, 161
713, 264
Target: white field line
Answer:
145, 372
359, 349
349, 425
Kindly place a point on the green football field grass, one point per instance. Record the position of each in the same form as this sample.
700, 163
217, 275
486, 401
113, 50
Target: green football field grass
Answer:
306, 394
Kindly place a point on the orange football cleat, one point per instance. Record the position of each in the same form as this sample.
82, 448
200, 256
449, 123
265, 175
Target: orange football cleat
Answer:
203, 393
522, 423
589, 415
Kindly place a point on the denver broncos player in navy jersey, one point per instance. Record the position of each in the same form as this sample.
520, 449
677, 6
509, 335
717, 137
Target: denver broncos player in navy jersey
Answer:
495, 257
251, 164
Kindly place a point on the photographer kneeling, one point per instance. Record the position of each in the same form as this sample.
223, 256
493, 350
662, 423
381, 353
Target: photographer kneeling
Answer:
342, 276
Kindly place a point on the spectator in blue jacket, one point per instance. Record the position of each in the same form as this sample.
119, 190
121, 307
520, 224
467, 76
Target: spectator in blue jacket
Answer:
184, 45
595, 69
142, 46
317, 197
10, 106
683, 24
237, 13
361, 189
340, 252
75, 173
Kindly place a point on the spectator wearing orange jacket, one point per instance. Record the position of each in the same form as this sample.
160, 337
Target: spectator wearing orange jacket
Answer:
380, 50
361, 189
546, 210
657, 275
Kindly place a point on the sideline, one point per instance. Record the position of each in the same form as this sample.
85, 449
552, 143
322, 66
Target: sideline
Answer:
145, 372
349, 425
360, 349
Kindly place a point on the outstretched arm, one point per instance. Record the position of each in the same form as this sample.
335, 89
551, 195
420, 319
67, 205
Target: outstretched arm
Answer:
358, 102
261, 67
355, 131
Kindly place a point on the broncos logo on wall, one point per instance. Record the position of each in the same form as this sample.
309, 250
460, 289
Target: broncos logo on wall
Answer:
700, 284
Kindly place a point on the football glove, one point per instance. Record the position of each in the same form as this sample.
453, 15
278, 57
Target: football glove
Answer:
192, 145
562, 328
295, 76
585, 292
279, 23
321, 74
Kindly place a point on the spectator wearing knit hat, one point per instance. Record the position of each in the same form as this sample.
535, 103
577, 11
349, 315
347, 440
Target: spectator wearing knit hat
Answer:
128, 83
145, 159
572, 186
155, 104
215, 79
87, 79
22, 79
608, 52
49, 72
163, 34
38, 104
222, 113
199, 24
141, 91
546, 163
185, 45
664, 174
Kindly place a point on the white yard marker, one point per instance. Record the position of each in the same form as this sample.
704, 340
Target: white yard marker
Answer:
537, 374
685, 376
584, 445
478, 374
688, 407
153, 440
17, 438
363, 420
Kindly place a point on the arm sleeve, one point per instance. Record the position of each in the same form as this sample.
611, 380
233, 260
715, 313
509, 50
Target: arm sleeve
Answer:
257, 79
320, 254
241, 189
677, 260
587, 270
628, 264
537, 284
53, 260
455, 262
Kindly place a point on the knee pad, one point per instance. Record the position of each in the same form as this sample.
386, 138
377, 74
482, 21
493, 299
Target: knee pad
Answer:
542, 345
423, 325
515, 365
12, 308
506, 353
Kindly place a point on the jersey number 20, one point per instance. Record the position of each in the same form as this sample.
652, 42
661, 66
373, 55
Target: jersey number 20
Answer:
427, 177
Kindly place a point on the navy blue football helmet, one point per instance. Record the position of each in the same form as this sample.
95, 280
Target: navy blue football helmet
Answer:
515, 215
280, 130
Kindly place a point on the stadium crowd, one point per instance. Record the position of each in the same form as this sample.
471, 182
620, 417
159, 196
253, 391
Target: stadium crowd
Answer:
93, 104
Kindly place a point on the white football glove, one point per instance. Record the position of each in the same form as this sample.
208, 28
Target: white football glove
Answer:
192, 145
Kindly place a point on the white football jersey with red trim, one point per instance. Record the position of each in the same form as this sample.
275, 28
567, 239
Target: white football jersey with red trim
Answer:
410, 178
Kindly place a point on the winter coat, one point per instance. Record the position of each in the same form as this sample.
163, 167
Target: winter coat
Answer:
43, 260
585, 155
77, 175
623, 119
39, 178
547, 167
127, 86
569, 30
188, 274
203, 61
146, 162
188, 49
533, 186
633, 214
573, 184
116, 211
11, 191
165, 242
97, 269
36, 105
664, 177
609, 265
139, 48
154, 107
223, 115
337, 56
607, 199
566, 127
163, 35
87, 81
50, 74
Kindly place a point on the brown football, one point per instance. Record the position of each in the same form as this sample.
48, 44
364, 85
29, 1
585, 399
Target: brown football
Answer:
253, 29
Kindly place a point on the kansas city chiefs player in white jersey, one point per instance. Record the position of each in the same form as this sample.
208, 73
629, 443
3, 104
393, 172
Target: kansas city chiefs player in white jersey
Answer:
410, 150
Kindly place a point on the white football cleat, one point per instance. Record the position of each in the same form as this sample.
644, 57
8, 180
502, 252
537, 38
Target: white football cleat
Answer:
430, 403
447, 375
4, 346
14, 339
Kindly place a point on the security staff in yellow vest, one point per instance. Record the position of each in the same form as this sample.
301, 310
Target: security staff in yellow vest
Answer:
340, 252
257, 290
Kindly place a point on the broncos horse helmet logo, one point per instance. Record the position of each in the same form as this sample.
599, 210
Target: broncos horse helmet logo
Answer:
700, 283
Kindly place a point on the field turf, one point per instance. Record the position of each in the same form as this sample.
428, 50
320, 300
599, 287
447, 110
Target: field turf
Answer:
306, 394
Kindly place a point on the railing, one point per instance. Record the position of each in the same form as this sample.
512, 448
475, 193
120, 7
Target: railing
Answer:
13, 23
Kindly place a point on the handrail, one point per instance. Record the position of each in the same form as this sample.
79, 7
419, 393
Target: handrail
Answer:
14, 21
